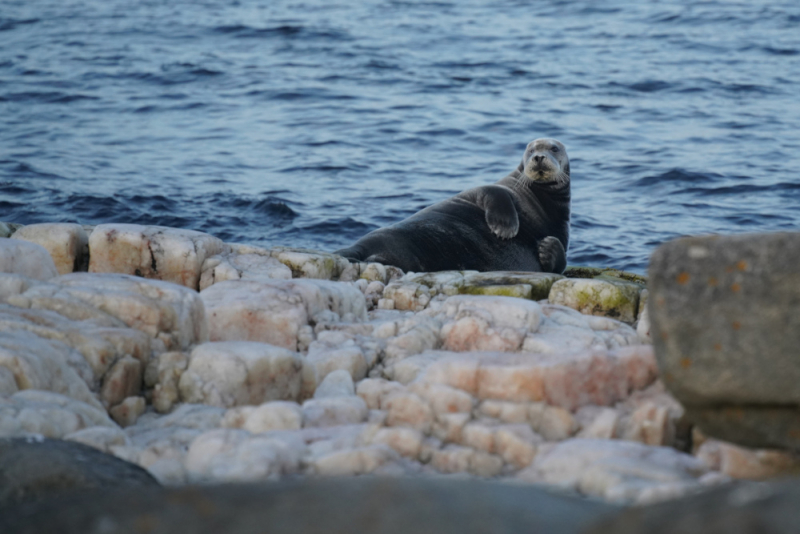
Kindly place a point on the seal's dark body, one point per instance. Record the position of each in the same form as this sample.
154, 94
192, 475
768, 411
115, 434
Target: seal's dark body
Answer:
454, 234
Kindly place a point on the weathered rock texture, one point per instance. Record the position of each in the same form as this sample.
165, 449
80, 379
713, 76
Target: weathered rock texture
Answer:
67, 244
724, 322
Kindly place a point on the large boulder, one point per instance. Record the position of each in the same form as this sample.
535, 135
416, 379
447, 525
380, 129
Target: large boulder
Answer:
375, 505
33, 469
725, 326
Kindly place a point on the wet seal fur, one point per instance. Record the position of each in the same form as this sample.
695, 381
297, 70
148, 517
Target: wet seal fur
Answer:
521, 223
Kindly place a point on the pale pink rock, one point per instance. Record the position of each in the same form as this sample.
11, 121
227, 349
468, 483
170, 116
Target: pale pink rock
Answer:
508, 412
123, 380
568, 381
743, 463
49, 414
479, 436
257, 266
336, 384
488, 323
449, 427
353, 462
375, 390
228, 455
414, 335
234, 373
171, 314
552, 422
443, 399
274, 415
334, 411
458, 459
408, 409
161, 253
651, 416
516, 444
275, 312
128, 411
321, 363
405, 441
27, 259
67, 244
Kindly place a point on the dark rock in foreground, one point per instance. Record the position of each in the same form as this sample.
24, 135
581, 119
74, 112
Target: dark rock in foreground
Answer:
726, 330
33, 469
744, 508
368, 505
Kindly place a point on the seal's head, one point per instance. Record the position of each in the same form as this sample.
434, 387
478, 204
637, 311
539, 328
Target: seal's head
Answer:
545, 161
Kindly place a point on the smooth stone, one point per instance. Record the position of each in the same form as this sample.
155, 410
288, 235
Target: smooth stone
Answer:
614, 299
27, 259
157, 252
274, 415
336, 384
365, 504
235, 373
35, 469
67, 244
729, 303
49, 414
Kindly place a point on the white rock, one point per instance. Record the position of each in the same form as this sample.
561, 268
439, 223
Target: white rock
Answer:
336, 384
167, 369
38, 364
443, 399
375, 390
275, 312
27, 259
122, 381
408, 409
241, 372
67, 244
743, 463
552, 422
643, 327
171, 314
359, 461
274, 415
49, 414
405, 441
257, 266
332, 411
311, 263
102, 438
157, 252
13, 284
237, 456
620, 471
457, 459
598, 422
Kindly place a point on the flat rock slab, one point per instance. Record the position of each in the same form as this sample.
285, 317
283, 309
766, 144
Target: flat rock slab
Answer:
25, 258
374, 505
617, 299
725, 325
32, 469
168, 254
742, 508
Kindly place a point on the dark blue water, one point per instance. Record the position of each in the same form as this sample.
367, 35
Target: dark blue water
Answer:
309, 123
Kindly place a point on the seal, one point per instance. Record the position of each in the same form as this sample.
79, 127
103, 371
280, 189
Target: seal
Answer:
520, 223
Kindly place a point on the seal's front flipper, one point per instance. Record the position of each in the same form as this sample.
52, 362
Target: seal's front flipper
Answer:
498, 206
552, 256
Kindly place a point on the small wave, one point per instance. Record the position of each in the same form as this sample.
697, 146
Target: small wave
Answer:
677, 176
48, 97
10, 24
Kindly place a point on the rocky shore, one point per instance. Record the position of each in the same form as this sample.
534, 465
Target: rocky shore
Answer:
206, 362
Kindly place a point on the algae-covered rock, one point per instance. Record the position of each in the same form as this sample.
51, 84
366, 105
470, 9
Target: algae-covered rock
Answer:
535, 286
311, 263
615, 299
604, 273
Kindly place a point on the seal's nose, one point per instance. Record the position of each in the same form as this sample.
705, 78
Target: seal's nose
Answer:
538, 159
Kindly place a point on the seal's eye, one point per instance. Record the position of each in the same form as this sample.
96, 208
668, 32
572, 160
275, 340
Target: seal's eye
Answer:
554, 149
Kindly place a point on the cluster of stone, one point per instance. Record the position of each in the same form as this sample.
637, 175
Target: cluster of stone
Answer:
203, 361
